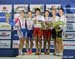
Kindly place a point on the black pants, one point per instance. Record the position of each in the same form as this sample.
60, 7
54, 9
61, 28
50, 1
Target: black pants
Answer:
59, 34
56, 34
53, 34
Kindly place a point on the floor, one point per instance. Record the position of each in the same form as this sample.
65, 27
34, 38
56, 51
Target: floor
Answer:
51, 56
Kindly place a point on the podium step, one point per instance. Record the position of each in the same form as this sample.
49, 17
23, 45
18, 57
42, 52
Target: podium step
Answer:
33, 56
42, 56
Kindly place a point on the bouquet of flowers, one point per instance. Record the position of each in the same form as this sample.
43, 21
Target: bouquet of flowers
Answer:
35, 21
42, 24
57, 24
48, 24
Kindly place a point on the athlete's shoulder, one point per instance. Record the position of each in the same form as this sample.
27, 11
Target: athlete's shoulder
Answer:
57, 16
64, 16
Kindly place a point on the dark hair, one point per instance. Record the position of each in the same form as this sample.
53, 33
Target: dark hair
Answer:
30, 11
47, 11
37, 9
61, 9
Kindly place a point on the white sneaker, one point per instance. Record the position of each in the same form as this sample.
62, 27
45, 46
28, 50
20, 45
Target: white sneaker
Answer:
20, 52
57, 54
60, 54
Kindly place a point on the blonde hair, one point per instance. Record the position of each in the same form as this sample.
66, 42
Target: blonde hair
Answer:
54, 9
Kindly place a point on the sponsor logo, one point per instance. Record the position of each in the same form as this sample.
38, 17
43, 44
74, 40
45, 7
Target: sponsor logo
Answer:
15, 43
4, 34
4, 8
5, 43
5, 26
53, 6
20, 7
70, 18
69, 44
70, 35
41, 7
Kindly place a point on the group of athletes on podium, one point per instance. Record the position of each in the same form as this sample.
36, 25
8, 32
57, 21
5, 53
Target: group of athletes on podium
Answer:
38, 27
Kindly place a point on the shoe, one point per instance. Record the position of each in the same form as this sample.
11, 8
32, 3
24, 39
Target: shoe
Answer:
30, 52
60, 54
55, 53
23, 53
47, 53
20, 54
27, 52
37, 53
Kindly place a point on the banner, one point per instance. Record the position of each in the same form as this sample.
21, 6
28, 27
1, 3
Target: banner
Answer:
5, 8
5, 43
34, 6
50, 6
5, 13
69, 36
16, 44
70, 22
5, 26
69, 45
18, 7
5, 35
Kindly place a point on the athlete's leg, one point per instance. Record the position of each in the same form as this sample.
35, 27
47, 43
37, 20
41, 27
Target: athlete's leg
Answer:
60, 42
31, 40
40, 40
45, 40
36, 39
54, 38
21, 45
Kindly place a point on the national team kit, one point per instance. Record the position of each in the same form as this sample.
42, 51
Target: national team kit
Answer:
39, 28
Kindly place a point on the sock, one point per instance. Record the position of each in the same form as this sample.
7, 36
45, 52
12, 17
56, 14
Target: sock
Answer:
20, 51
27, 49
